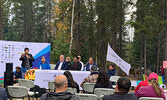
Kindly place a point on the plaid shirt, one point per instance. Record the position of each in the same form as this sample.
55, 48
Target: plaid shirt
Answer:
90, 79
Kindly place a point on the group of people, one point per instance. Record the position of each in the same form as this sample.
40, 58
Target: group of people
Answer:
78, 65
147, 88
150, 87
62, 82
62, 64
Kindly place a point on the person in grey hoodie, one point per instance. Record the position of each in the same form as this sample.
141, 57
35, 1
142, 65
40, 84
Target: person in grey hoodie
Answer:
61, 85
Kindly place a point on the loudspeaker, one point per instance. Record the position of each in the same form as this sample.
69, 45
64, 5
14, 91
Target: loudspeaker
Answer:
9, 67
8, 78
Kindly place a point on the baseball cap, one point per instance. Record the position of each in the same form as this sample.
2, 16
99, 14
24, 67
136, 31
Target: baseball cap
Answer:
153, 76
94, 68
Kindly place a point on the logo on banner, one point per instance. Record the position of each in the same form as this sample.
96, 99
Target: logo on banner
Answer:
54, 75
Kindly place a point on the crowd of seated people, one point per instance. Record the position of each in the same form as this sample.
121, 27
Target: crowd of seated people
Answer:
147, 88
123, 85
61, 85
66, 64
152, 90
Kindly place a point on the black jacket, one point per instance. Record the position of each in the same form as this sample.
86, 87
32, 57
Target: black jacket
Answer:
120, 96
23, 59
76, 66
99, 85
59, 96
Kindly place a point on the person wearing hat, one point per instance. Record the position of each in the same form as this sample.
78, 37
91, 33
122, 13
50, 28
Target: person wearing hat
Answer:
153, 90
143, 83
76, 65
92, 78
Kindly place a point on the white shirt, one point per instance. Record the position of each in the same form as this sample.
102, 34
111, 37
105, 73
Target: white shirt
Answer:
82, 68
59, 68
90, 66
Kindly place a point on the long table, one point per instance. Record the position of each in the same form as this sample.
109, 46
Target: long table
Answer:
42, 77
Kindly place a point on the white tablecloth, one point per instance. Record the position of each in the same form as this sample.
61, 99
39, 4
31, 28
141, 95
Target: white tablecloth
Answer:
42, 77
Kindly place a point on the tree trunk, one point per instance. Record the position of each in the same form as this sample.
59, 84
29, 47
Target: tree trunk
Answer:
72, 21
158, 53
165, 44
114, 33
1, 28
165, 56
145, 54
141, 59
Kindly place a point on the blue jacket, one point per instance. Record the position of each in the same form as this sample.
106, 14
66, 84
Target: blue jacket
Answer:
18, 75
87, 66
63, 67
44, 66
111, 72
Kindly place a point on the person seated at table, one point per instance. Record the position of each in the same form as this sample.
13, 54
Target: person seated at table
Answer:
111, 71
3, 94
121, 91
68, 60
30, 74
61, 64
82, 68
103, 80
71, 82
143, 83
153, 90
89, 64
17, 74
92, 78
76, 65
43, 64
61, 85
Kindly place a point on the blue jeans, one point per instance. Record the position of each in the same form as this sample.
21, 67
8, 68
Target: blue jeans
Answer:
24, 70
163, 80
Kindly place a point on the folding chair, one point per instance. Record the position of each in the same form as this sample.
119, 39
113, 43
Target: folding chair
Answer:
51, 86
27, 83
72, 90
101, 97
88, 87
103, 91
114, 79
150, 98
17, 92
87, 96
52, 66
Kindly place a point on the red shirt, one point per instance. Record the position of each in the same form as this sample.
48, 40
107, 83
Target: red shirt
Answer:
143, 83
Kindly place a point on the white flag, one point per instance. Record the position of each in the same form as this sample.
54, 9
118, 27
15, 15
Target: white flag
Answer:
113, 57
